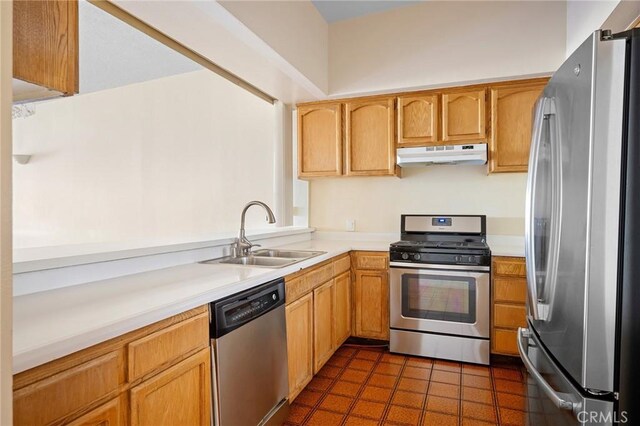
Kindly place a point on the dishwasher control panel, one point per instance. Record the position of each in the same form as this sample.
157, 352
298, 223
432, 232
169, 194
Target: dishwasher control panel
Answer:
234, 311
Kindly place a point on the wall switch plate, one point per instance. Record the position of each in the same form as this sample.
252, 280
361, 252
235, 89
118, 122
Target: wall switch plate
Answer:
351, 225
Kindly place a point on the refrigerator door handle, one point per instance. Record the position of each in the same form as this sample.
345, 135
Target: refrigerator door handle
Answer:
529, 248
563, 404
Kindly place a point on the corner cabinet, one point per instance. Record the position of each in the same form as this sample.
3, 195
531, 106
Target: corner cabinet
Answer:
417, 120
511, 122
320, 140
45, 48
370, 138
463, 116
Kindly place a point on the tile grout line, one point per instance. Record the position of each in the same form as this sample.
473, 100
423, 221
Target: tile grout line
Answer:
393, 390
363, 385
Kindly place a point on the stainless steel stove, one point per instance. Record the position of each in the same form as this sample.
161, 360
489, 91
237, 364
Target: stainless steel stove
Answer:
440, 288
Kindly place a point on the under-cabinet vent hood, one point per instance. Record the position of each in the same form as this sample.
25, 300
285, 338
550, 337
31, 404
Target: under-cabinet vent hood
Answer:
449, 154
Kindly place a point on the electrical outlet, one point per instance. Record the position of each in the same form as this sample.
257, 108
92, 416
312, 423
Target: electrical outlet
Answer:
351, 225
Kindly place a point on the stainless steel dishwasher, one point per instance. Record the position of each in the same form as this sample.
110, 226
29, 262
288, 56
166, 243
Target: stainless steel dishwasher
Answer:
249, 353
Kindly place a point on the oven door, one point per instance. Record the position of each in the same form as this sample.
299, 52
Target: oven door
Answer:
446, 301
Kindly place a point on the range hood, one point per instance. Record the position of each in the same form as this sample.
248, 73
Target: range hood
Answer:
449, 154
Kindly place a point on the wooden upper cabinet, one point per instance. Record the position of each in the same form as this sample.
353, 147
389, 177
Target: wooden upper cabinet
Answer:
463, 116
370, 138
417, 120
45, 44
511, 121
320, 140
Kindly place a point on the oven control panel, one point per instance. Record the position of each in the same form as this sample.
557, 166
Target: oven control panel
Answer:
440, 258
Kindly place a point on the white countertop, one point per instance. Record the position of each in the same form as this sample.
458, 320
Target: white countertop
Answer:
55, 323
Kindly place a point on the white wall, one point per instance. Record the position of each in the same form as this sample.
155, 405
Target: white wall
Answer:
377, 203
583, 18
176, 157
438, 43
294, 29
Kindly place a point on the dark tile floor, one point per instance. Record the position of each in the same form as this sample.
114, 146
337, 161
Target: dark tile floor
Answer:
366, 386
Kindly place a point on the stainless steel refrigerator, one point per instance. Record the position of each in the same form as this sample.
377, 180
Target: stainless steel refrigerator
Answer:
581, 346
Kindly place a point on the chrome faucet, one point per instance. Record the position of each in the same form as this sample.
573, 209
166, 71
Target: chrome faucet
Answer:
242, 246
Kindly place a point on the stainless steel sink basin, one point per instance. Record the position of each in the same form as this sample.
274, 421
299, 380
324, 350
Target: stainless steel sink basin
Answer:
273, 262
269, 258
289, 254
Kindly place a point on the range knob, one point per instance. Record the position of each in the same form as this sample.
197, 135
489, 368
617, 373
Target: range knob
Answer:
405, 256
457, 258
416, 256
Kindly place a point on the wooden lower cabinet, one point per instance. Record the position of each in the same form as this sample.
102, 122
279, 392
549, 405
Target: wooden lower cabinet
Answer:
508, 294
323, 324
342, 308
111, 413
159, 374
371, 302
180, 395
299, 315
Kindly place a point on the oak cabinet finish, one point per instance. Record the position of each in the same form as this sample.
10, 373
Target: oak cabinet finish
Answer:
93, 386
45, 44
342, 308
370, 138
463, 116
320, 140
299, 316
323, 324
181, 395
417, 120
511, 125
371, 295
509, 293
371, 298
110, 414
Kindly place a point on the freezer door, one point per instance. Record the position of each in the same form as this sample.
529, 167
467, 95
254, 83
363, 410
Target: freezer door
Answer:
551, 398
572, 212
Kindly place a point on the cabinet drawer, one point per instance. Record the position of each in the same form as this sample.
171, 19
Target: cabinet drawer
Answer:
168, 345
510, 316
372, 260
509, 266
59, 396
341, 265
296, 288
504, 341
319, 276
510, 289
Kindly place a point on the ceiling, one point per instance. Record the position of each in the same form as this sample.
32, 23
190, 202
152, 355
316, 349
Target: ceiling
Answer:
340, 10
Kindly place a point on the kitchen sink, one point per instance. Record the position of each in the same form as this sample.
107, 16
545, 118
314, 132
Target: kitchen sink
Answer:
273, 262
288, 254
269, 258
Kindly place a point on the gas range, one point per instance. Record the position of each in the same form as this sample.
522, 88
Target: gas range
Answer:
440, 288
445, 240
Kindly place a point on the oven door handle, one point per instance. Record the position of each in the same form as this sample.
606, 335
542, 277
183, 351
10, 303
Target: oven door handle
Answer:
439, 267
551, 393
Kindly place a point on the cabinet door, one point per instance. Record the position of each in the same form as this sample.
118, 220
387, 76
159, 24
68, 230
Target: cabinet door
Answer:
299, 316
108, 414
463, 116
511, 120
323, 317
417, 120
180, 395
320, 140
369, 137
45, 44
371, 299
342, 318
